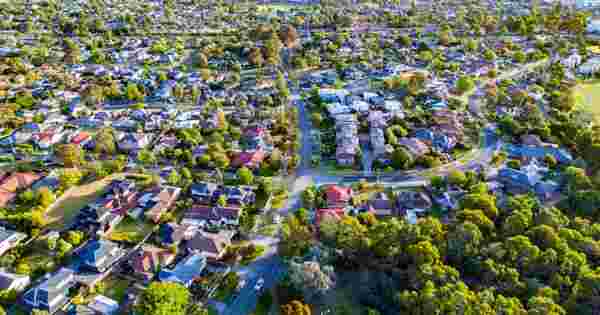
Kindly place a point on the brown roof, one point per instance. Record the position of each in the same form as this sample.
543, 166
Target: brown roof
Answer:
150, 258
18, 181
212, 245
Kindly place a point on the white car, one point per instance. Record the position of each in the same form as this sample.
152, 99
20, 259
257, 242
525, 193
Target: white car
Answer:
259, 284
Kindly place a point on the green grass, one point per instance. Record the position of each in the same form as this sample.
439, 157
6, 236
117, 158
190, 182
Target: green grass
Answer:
38, 260
116, 289
588, 96
130, 231
260, 250
269, 230
64, 211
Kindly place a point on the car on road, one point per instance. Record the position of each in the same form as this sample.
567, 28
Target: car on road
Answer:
259, 284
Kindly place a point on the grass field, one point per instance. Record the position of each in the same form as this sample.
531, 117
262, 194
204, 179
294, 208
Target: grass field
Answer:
588, 95
64, 210
130, 230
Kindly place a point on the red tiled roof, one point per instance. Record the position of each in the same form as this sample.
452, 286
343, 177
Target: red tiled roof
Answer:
250, 159
338, 194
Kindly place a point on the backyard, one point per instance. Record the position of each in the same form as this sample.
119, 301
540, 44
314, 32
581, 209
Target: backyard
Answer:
130, 231
588, 96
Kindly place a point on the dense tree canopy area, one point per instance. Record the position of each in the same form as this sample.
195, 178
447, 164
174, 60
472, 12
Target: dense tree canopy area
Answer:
513, 256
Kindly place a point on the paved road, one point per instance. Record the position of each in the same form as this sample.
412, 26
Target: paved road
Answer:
269, 267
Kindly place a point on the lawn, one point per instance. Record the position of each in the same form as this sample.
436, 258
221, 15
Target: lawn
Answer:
130, 231
116, 288
64, 210
588, 95
260, 250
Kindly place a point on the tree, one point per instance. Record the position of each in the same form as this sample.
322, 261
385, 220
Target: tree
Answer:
245, 176
63, 247
69, 178
74, 237
316, 119
312, 279
457, 178
161, 298
295, 308
23, 268
146, 157
133, 92
401, 159
196, 309
202, 60
70, 154
105, 142
45, 197
288, 35
255, 57
464, 84
296, 238
173, 178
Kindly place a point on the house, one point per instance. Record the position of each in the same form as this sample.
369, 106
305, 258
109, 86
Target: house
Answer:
109, 209
102, 305
590, 67
211, 245
381, 204
537, 152
131, 142
9, 239
159, 202
173, 233
10, 185
10, 281
237, 196
330, 213
413, 200
150, 259
204, 192
415, 147
332, 96
208, 215
338, 196
100, 255
186, 271
346, 130
52, 294
80, 138
249, 159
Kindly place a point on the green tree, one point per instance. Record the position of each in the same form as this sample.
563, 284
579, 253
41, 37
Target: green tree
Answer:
74, 237
161, 298
457, 178
464, 84
70, 154
245, 176
295, 307
69, 178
